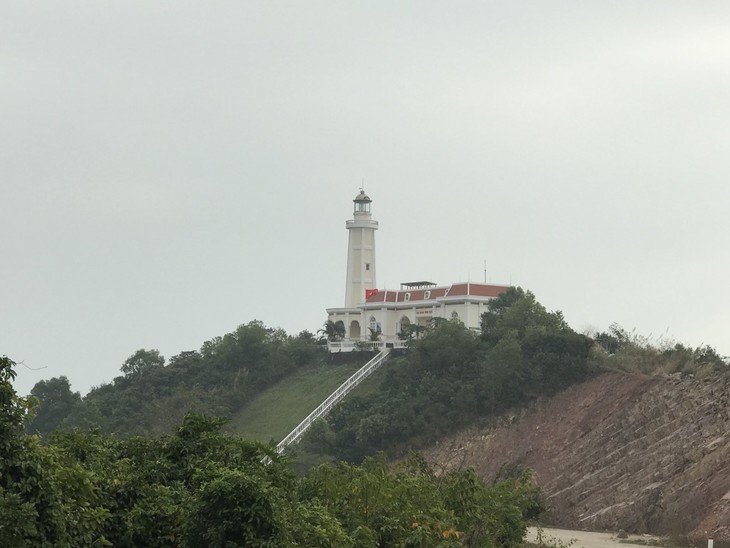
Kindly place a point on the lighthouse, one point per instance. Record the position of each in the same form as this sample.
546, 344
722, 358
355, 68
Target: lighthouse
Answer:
389, 318
360, 251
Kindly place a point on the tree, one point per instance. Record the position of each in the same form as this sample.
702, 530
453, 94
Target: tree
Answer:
502, 376
142, 360
519, 310
149, 399
234, 508
30, 515
334, 331
409, 505
55, 402
200, 487
413, 331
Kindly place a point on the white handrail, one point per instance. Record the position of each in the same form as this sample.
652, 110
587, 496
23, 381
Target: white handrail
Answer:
351, 346
327, 405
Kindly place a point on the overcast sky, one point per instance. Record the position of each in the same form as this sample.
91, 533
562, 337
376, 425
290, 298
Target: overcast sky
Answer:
170, 170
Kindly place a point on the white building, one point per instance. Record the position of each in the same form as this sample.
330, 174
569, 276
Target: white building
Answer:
394, 313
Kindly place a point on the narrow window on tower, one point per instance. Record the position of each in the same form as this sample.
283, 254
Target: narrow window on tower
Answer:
367, 266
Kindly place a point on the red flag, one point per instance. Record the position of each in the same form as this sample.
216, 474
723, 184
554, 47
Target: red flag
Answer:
370, 292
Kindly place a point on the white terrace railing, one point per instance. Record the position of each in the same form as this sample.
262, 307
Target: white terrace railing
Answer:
351, 346
327, 405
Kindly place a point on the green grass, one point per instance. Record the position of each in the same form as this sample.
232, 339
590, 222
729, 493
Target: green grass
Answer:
276, 411
303, 457
372, 384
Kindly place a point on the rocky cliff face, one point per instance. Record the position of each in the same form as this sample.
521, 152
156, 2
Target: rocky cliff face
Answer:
622, 451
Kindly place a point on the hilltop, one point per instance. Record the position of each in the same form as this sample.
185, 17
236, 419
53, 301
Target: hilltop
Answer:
620, 433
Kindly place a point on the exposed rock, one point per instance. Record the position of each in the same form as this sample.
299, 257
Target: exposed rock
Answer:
622, 451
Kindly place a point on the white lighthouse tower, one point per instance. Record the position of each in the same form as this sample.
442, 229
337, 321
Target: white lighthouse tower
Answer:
360, 252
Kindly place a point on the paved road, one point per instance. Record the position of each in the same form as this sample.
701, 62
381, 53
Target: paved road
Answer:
583, 539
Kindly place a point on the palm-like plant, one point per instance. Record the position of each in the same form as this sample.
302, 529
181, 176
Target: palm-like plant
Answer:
334, 331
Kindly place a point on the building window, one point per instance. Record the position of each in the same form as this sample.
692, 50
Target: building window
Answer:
407, 297
427, 295
367, 266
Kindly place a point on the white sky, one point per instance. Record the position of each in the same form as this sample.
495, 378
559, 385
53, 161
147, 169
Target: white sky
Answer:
170, 170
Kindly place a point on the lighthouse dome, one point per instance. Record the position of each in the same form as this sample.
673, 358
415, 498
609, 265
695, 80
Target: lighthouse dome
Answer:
362, 197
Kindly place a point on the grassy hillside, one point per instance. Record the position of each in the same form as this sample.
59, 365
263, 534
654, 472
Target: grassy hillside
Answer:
274, 412
152, 397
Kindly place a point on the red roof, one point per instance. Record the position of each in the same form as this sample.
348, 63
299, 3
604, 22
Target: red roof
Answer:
479, 290
456, 290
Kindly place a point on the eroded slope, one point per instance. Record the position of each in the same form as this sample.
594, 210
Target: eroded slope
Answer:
622, 451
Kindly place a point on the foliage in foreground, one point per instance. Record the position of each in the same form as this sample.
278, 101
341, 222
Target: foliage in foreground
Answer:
200, 487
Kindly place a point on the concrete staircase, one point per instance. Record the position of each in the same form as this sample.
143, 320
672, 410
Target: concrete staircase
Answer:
326, 406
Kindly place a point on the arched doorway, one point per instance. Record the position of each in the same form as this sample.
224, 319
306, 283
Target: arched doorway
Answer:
355, 329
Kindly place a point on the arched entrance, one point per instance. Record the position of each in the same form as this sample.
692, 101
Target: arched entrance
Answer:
355, 330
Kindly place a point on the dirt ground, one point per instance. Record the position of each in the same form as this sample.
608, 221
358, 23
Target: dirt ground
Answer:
589, 539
